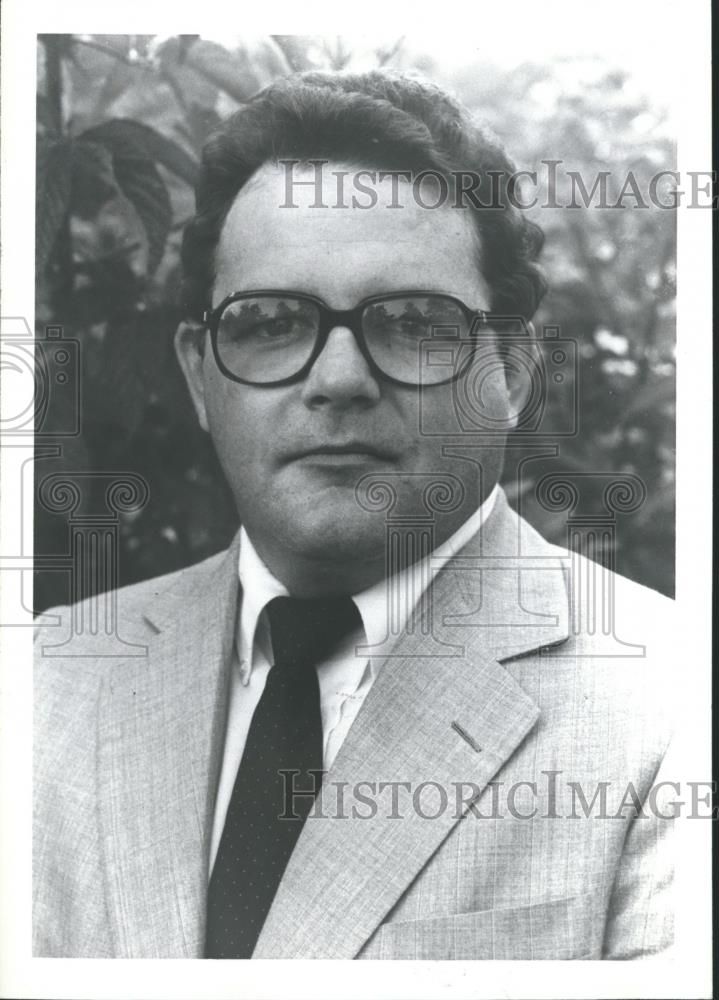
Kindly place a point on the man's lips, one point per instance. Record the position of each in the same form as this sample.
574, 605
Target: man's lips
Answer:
348, 448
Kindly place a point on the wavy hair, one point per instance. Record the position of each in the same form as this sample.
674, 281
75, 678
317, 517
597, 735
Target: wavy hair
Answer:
376, 120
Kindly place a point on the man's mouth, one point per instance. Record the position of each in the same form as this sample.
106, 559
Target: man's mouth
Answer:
342, 453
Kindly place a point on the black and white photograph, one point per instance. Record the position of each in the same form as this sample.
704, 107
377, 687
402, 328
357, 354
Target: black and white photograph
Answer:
356, 561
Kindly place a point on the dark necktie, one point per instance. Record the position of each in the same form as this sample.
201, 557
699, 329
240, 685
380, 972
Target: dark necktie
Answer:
267, 809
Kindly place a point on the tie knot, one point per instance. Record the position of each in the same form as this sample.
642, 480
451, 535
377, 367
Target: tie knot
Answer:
305, 631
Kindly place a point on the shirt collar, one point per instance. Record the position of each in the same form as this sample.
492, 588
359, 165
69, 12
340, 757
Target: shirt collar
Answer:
259, 587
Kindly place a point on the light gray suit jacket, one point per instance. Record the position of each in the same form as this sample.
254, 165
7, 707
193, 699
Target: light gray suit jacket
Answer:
527, 688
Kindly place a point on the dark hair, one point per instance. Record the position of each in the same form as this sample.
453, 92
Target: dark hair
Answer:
377, 120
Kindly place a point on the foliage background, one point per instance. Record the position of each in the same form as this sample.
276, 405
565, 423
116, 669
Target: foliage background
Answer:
121, 121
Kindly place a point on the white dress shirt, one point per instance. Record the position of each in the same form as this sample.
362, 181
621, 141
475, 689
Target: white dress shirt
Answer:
345, 677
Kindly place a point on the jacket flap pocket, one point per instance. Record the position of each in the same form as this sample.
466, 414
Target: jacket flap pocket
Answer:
557, 929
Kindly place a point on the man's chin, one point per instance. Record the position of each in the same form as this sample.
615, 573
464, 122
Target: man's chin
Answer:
335, 539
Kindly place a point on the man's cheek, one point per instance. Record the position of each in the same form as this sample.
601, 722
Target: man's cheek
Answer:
228, 412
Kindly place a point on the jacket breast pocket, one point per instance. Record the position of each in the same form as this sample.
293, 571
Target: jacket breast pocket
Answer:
567, 928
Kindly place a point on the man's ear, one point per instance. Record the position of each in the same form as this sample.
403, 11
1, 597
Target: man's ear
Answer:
523, 372
190, 347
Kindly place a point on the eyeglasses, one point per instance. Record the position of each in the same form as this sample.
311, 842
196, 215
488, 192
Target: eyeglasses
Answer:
272, 338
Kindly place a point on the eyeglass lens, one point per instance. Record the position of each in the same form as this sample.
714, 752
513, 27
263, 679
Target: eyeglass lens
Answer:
267, 338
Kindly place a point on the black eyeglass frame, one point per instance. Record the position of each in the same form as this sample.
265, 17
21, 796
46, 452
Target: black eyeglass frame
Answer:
331, 318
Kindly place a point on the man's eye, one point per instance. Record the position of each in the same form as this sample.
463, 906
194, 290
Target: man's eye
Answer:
273, 328
268, 329
409, 327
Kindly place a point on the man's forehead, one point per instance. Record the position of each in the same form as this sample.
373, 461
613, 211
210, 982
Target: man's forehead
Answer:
310, 190
340, 185
315, 217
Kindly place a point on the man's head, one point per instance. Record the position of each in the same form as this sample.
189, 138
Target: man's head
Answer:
293, 454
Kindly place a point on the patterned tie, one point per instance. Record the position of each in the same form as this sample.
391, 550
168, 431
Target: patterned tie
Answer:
267, 809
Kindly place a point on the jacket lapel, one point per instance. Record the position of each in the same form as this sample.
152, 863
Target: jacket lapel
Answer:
161, 731
437, 720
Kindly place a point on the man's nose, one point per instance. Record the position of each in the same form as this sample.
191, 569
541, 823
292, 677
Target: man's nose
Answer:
340, 376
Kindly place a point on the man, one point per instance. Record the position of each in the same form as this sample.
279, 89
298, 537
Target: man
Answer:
490, 755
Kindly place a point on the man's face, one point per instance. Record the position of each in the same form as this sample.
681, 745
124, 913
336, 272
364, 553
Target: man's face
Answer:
297, 500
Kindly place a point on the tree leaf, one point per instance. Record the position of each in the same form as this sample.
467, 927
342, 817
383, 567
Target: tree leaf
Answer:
187, 84
273, 57
139, 181
93, 183
230, 72
52, 199
185, 44
127, 137
120, 77
45, 117
198, 122
295, 50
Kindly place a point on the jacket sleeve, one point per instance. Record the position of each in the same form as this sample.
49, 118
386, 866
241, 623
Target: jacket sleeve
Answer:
640, 920
69, 917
